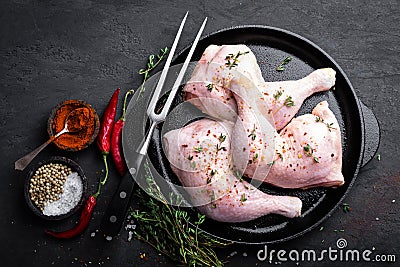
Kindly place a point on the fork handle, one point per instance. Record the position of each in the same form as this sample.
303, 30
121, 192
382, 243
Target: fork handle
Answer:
115, 214
118, 207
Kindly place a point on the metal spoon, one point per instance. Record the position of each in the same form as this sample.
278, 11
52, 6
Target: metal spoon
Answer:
70, 126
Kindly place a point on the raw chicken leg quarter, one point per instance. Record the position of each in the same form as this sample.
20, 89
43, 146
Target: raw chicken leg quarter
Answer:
214, 188
210, 79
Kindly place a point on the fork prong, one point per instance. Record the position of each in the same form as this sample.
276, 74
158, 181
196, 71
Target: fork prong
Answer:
178, 81
164, 72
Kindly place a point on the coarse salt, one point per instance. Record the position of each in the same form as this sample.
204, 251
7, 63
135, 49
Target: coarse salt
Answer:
70, 197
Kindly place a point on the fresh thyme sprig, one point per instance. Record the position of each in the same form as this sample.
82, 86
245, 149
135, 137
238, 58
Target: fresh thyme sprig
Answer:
281, 66
329, 125
232, 60
221, 139
168, 229
151, 64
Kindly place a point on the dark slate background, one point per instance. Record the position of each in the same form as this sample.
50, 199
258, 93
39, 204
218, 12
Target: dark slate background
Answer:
51, 51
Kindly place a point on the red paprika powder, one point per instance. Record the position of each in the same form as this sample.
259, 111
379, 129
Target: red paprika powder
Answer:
77, 140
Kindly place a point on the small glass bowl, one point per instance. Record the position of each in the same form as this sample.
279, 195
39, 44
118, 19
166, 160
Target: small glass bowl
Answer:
75, 168
89, 132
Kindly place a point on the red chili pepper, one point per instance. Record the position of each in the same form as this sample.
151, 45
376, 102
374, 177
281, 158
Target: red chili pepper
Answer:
82, 224
116, 138
104, 136
116, 150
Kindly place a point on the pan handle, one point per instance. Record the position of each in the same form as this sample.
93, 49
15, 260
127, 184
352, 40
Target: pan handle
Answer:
372, 134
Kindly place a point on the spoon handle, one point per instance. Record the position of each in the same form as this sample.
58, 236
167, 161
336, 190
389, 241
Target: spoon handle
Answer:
24, 161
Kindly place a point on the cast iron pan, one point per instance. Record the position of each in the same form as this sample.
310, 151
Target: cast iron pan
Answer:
359, 127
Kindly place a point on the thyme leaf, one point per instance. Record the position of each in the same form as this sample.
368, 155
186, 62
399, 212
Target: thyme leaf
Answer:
151, 66
243, 198
318, 119
278, 94
309, 151
346, 207
210, 87
198, 149
253, 134
329, 125
192, 164
271, 163
289, 102
281, 66
222, 138
212, 199
255, 157
212, 196
238, 175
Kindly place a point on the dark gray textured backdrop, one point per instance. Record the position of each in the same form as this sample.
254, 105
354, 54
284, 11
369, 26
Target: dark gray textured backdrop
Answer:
51, 51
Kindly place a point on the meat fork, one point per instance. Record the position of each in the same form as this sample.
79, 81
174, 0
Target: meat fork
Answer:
116, 211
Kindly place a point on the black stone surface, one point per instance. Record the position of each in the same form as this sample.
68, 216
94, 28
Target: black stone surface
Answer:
51, 51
